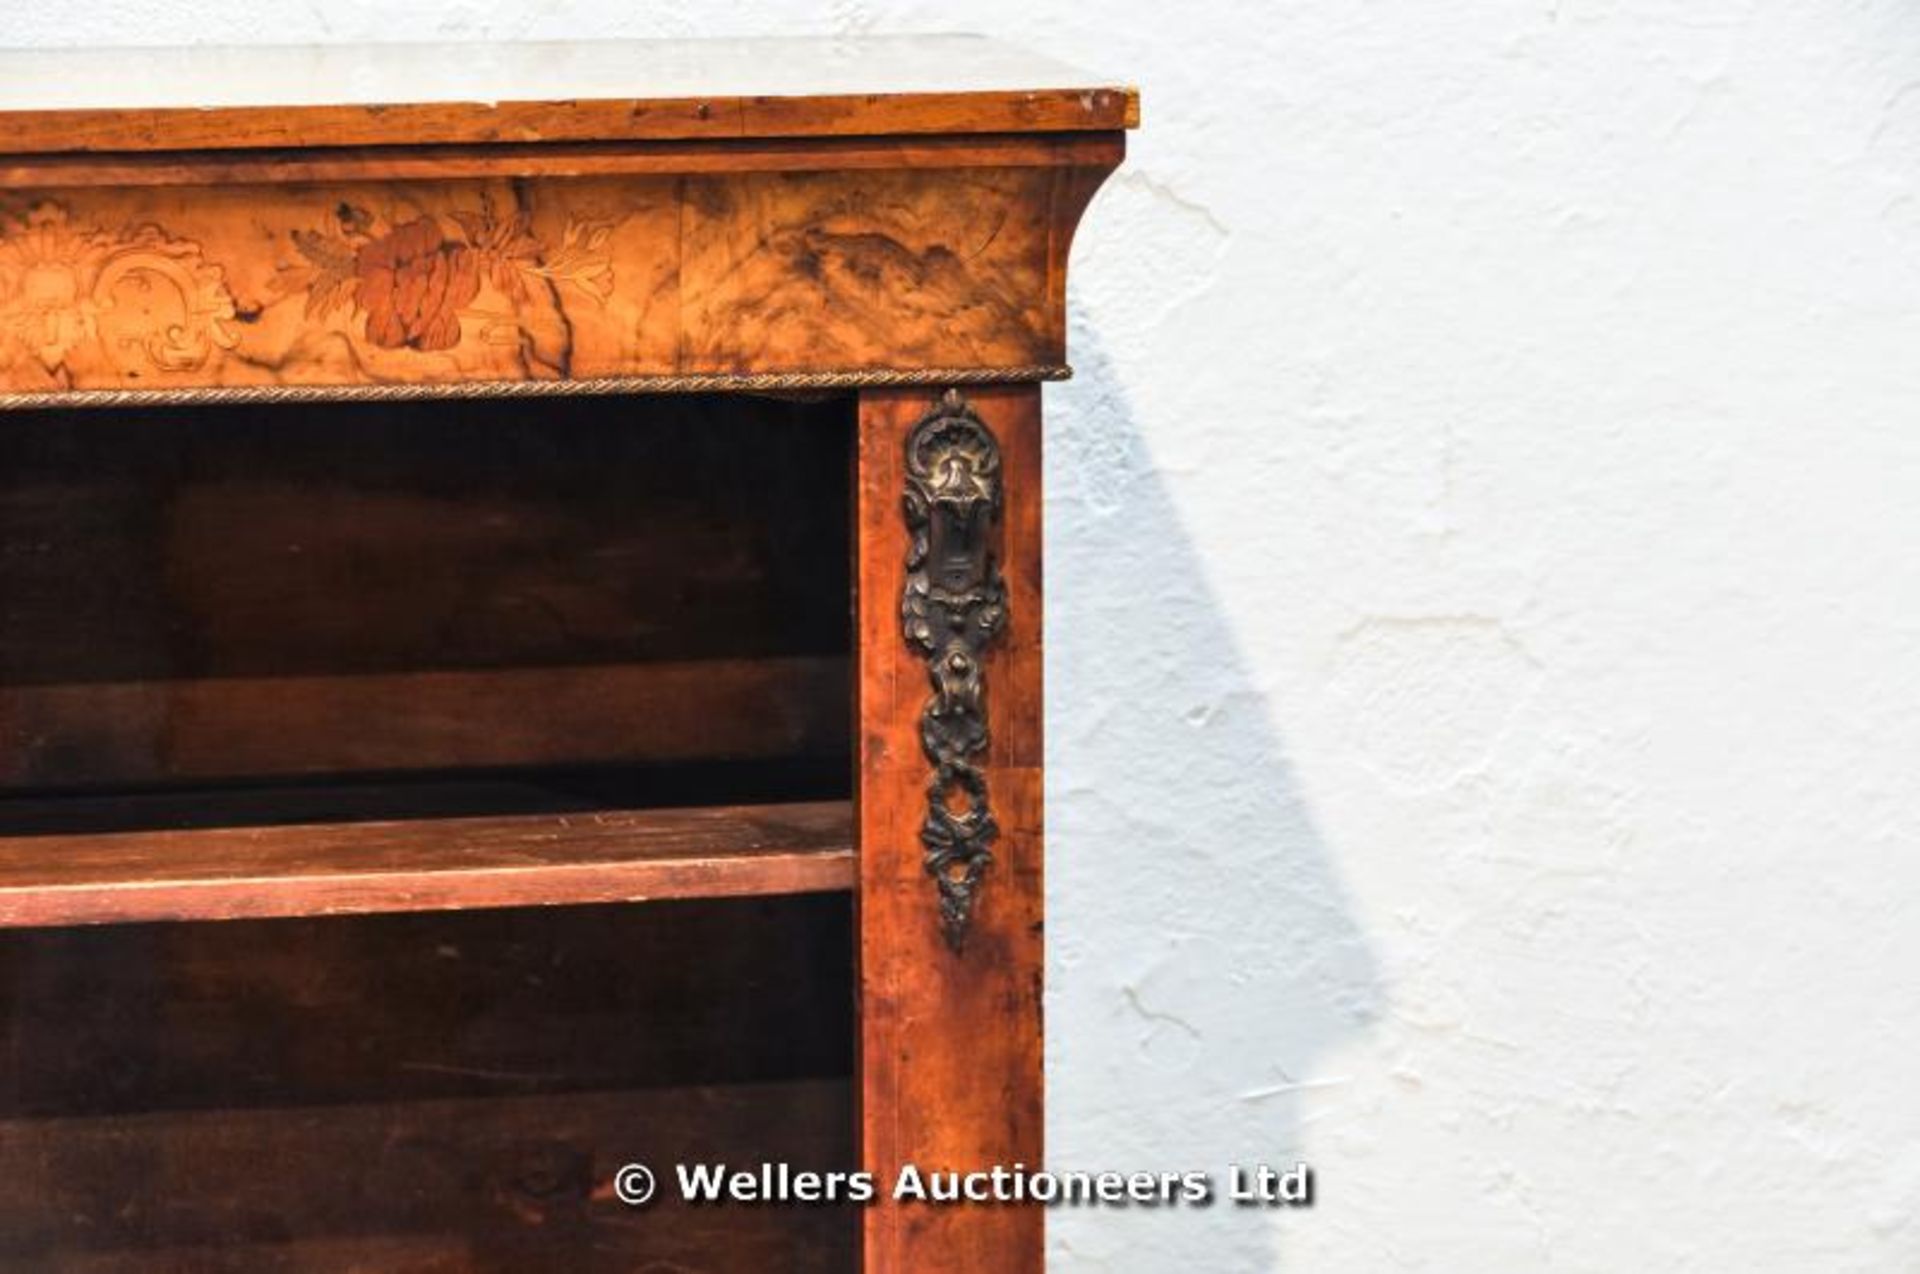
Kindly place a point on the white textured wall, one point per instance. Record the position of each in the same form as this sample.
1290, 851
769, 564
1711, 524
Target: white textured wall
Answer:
1485, 615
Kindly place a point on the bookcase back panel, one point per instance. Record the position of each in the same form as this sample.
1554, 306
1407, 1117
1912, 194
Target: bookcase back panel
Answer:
423, 1092
210, 595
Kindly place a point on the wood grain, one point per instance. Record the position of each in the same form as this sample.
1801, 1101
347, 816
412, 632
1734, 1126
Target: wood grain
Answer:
641, 119
563, 160
232, 728
501, 1185
445, 1092
376, 1009
950, 1042
586, 856
331, 283
246, 593
451, 1094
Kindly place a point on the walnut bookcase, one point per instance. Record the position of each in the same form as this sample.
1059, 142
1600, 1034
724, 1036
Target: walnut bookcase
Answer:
543, 545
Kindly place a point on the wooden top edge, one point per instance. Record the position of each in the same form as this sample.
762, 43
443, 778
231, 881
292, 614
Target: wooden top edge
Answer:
132, 100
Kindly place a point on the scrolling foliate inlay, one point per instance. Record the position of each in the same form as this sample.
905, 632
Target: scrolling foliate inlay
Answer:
80, 300
953, 606
595, 278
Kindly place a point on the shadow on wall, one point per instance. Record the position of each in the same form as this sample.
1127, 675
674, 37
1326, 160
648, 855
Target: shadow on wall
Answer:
1203, 958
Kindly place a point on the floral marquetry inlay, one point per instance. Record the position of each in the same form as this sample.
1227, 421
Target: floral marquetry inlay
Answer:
165, 287
865, 244
412, 282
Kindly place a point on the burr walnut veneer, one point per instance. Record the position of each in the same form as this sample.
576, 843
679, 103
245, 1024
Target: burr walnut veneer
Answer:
541, 544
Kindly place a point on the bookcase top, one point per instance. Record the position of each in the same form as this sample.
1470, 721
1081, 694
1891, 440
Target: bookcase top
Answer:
212, 98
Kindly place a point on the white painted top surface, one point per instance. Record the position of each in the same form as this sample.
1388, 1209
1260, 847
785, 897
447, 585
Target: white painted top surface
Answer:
489, 74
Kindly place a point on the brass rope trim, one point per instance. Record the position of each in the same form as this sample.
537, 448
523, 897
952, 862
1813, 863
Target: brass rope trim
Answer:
599, 386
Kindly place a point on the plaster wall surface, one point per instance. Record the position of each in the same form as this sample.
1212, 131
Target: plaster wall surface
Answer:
1484, 615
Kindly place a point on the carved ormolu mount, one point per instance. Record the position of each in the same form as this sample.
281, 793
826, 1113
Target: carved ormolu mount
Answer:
953, 606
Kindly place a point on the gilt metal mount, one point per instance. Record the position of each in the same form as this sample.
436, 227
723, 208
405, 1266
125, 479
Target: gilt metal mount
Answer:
953, 606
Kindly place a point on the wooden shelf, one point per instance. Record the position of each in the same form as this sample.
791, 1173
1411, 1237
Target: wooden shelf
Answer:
425, 864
